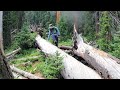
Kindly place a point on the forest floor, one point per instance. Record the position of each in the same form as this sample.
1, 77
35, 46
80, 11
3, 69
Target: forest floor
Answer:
33, 61
29, 61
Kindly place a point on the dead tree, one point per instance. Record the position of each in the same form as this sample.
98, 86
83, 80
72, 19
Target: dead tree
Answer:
73, 69
104, 63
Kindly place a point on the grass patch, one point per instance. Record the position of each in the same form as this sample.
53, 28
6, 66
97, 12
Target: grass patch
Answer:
66, 43
28, 53
48, 66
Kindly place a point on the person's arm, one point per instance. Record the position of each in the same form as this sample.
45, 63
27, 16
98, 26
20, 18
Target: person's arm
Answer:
58, 32
49, 35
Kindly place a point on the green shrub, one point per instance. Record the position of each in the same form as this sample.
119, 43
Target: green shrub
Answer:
51, 67
115, 46
25, 39
102, 41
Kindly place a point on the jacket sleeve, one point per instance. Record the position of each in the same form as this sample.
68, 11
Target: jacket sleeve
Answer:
58, 32
49, 34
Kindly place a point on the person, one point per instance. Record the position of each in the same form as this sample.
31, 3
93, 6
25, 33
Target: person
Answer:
54, 33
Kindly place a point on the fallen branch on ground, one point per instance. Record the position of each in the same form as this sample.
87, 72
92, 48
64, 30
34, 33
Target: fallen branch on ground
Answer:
25, 74
11, 55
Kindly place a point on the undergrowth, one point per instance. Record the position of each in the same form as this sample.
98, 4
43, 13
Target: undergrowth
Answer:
49, 66
68, 42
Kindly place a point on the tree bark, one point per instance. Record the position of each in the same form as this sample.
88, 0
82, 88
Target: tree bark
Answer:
104, 63
7, 29
73, 69
21, 18
5, 71
97, 22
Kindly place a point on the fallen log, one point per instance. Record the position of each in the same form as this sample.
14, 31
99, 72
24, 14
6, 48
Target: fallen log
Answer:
73, 69
24, 64
28, 58
65, 47
104, 63
11, 55
16, 76
25, 74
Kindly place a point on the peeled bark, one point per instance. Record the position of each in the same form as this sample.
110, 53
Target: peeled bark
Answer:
5, 71
104, 63
73, 69
25, 74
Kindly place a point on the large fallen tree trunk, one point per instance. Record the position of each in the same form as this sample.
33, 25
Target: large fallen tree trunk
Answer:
25, 74
104, 63
73, 69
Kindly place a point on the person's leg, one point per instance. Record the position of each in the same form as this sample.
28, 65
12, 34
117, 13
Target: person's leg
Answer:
56, 40
53, 39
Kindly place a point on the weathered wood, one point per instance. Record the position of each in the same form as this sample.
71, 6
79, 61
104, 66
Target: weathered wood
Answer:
73, 69
104, 63
17, 76
11, 55
25, 74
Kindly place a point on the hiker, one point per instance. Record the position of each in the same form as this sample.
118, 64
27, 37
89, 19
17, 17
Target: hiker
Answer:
54, 32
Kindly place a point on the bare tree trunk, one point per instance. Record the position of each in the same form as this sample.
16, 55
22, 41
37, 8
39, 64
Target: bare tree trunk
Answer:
104, 63
73, 69
58, 13
5, 71
97, 22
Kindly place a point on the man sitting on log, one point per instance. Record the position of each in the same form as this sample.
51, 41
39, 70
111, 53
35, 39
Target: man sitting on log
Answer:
54, 32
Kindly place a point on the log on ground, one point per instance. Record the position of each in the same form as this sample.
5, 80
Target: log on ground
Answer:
104, 63
11, 55
73, 69
24, 73
17, 76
